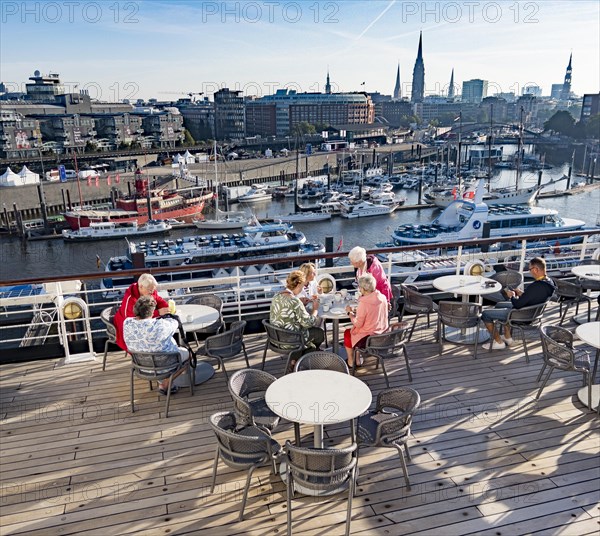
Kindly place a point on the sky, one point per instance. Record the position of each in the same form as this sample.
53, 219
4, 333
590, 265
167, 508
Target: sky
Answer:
160, 49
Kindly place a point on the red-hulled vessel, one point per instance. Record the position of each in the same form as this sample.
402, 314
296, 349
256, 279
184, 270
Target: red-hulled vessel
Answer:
183, 205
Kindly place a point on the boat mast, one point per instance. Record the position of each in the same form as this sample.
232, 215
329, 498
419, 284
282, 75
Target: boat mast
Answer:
519, 149
490, 146
458, 156
216, 181
296, 205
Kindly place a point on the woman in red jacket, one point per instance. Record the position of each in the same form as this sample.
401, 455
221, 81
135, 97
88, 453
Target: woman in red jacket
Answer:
145, 286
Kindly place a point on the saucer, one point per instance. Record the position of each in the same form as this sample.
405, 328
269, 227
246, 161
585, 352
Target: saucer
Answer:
337, 311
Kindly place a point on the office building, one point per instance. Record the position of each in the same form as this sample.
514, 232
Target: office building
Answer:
229, 115
473, 91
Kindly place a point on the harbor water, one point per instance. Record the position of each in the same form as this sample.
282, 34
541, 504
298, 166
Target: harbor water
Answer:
47, 258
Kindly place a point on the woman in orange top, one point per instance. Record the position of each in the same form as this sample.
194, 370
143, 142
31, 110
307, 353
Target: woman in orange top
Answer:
370, 318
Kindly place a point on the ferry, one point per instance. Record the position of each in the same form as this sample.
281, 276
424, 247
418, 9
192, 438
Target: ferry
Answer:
464, 220
112, 230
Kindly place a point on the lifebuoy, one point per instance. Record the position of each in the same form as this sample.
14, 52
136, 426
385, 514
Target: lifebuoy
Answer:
267, 240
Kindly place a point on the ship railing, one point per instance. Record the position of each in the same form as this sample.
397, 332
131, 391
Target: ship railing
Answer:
246, 286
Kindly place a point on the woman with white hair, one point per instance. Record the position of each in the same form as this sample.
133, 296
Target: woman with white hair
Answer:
370, 317
146, 285
369, 264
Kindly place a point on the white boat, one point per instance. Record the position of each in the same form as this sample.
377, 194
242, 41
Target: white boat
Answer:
299, 217
465, 219
256, 193
383, 197
502, 196
223, 221
111, 230
364, 209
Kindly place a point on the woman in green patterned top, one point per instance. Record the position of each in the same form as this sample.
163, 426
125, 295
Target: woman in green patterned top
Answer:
288, 312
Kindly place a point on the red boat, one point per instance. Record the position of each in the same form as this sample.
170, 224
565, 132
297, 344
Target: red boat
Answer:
184, 205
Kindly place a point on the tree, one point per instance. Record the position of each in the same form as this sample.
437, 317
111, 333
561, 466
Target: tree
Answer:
561, 122
592, 127
303, 128
187, 138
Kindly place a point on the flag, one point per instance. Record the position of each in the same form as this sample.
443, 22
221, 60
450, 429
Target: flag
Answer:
97, 181
117, 178
340, 244
454, 192
89, 181
469, 195
108, 180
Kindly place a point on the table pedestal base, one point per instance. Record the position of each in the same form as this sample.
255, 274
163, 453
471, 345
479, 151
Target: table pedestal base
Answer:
582, 394
466, 336
203, 372
583, 318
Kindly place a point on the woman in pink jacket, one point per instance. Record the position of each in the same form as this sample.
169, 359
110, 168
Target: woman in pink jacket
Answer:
370, 318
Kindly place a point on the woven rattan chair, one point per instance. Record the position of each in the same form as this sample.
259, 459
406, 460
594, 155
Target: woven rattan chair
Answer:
386, 346
417, 304
558, 351
459, 315
321, 361
570, 293
241, 448
247, 388
284, 342
521, 320
389, 425
327, 471
509, 279
210, 300
107, 316
396, 297
227, 345
157, 367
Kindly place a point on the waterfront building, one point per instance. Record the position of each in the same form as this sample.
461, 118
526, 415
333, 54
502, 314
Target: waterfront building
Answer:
44, 88
590, 106
229, 115
198, 118
418, 81
473, 91
164, 128
530, 105
565, 94
536, 91
556, 91
444, 111
398, 87
394, 112
261, 118
70, 132
19, 135
502, 111
119, 130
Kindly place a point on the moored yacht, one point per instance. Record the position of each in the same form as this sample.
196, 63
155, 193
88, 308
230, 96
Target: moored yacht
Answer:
365, 209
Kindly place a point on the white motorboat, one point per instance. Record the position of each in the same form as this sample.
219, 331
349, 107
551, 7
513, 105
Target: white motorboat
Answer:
365, 209
223, 221
111, 230
300, 217
256, 193
503, 196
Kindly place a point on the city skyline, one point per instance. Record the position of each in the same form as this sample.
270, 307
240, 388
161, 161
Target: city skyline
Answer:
165, 50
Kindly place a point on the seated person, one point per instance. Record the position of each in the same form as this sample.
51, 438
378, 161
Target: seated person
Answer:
310, 290
146, 286
370, 318
143, 333
537, 293
369, 264
288, 312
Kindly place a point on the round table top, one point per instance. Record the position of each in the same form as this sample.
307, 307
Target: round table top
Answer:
587, 271
589, 333
471, 285
194, 316
337, 310
318, 397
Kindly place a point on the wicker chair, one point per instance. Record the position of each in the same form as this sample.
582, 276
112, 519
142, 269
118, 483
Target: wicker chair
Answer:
509, 279
227, 345
247, 388
321, 361
107, 316
417, 304
326, 471
558, 351
282, 341
157, 366
386, 346
459, 315
520, 320
396, 297
389, 425
243, 449
569, 293
210, 300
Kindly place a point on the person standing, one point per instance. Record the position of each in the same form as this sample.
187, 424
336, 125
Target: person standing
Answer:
369, 264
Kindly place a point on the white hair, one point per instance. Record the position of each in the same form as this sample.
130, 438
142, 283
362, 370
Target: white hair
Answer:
357, 254
148, 282
367, 283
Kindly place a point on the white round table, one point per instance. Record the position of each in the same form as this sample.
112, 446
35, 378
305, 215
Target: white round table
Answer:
336, 312
318, 397
195, 317
585, 271
465, 286
590, 334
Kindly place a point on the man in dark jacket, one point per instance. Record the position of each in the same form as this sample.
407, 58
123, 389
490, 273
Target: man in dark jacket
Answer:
537, 293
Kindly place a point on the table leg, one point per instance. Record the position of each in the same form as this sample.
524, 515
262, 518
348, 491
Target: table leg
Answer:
318, 436
336, 335
582, 394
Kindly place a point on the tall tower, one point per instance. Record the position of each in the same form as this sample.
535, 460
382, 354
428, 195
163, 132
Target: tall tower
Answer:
566, 89
451, 88
328, 84
418, 81
398, 88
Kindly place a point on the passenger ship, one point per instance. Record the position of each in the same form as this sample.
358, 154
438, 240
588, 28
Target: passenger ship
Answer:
464, 220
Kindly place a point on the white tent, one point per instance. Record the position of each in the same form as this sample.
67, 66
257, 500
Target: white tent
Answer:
10, 178
179, 158
28, 176
189, 158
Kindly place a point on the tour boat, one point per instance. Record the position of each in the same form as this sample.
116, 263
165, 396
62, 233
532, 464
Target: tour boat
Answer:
112, 230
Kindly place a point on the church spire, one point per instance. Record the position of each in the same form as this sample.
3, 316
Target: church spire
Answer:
328, 84
451, 88
565, 94
398, 87
418, 82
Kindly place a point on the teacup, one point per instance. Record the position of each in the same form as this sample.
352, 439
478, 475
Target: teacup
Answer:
337, 297
344, 293
325, 307
189, 318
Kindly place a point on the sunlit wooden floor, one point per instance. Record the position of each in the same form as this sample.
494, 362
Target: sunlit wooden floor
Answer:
488, 459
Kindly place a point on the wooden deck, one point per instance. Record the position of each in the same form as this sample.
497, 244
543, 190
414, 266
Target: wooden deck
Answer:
488, 459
